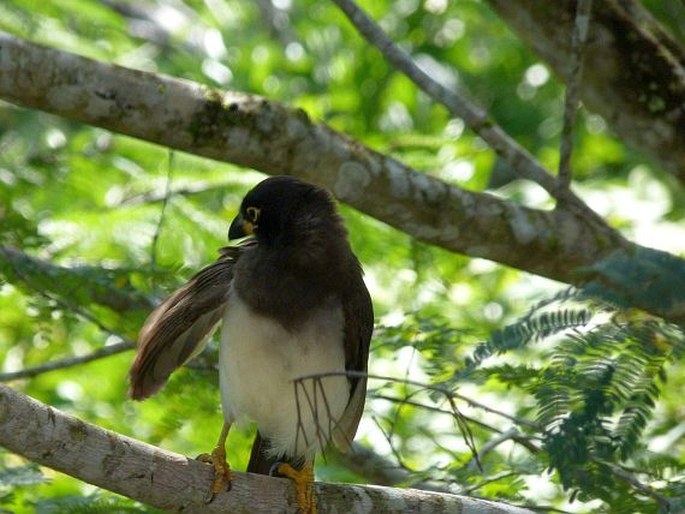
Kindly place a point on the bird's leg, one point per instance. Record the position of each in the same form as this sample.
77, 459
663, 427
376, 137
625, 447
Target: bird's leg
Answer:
304, 484
222, 470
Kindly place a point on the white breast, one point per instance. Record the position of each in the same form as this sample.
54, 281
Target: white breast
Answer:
259, 361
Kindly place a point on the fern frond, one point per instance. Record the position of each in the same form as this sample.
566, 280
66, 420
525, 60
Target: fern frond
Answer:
529, 330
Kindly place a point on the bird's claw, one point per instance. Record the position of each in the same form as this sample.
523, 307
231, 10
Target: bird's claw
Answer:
222, 472
304, 485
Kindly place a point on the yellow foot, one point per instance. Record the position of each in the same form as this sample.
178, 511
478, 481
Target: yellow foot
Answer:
304, 484
222, 471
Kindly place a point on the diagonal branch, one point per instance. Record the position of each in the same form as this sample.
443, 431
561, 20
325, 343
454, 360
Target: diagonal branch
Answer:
251, 131
474, 116
176, 483
93, 282
521, 161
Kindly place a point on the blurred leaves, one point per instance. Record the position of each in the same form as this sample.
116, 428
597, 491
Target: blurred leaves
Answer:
22, 475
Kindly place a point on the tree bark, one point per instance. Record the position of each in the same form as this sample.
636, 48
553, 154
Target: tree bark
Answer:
175, 483
634, 72
251, 131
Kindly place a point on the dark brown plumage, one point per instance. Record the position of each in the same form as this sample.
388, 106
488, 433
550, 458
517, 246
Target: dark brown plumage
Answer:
177, 330
293, 303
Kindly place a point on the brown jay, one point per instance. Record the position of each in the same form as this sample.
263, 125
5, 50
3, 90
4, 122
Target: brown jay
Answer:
296, 317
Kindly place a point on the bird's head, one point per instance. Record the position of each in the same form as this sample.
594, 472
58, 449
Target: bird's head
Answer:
282, 209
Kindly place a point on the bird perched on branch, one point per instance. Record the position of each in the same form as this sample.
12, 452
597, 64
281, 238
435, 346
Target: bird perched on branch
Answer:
296, 320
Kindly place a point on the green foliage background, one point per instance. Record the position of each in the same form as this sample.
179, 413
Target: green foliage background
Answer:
94, 202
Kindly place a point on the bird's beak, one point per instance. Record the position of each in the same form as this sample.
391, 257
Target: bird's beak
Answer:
240, 227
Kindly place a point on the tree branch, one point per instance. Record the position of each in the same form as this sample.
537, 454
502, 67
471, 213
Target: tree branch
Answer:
92, 282
178, 484
251, 131
521, 161
67, 362
578, 39
458, 105
634, 73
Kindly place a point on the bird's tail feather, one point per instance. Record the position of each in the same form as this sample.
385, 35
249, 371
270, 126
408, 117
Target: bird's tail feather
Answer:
261, 462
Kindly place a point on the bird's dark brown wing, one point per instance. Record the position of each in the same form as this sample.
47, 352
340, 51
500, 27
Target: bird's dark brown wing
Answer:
358, 312
178, 329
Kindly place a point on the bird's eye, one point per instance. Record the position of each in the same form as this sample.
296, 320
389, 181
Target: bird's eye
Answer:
253, 214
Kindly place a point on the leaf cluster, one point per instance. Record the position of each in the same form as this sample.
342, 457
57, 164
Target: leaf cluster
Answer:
596, 374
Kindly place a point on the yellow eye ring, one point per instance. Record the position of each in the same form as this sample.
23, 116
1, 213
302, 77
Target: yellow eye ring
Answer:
253, 214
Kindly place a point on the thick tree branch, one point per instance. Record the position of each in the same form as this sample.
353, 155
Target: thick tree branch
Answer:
178, 484
634, 73
251, 131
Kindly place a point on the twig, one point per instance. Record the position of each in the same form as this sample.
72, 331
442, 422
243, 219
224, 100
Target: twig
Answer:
276, 19
429, 387
482, 406
546, 509
523, 440
105, 351
408, 395
144, 21
578, 39
380, 470
465, 429
432, 408
155, 196
493, 443
489, 480
521, 161
636, 484
165, 202
473, 115
67, 362
391, 445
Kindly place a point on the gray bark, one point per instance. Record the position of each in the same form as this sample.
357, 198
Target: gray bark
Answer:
251, 131
176, 483
634, 72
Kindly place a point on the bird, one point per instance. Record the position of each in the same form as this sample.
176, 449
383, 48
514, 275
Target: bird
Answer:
296, 323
